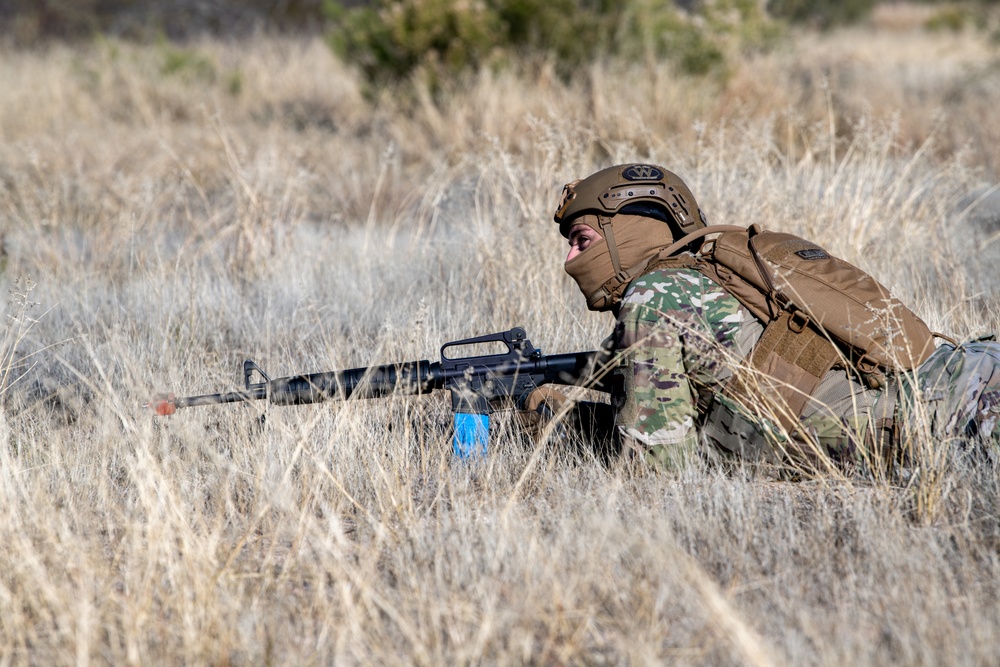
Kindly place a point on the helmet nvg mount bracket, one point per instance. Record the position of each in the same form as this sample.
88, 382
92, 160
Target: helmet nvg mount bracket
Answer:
606, 192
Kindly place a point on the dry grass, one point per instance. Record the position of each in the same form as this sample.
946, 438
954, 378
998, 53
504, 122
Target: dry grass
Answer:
255, 204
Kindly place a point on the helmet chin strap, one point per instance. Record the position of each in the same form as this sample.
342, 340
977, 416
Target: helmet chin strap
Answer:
604, 296
608, 231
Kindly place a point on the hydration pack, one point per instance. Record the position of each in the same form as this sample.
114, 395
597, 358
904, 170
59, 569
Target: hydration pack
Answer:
819, 312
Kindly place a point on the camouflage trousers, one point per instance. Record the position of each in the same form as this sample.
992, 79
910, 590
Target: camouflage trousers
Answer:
952, 398
958, 394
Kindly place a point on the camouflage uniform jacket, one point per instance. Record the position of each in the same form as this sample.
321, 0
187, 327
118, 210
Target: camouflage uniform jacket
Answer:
681, 336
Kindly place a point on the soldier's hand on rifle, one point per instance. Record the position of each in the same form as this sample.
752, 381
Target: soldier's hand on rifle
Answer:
542, 405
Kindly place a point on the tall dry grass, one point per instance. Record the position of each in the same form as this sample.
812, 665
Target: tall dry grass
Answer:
255, 204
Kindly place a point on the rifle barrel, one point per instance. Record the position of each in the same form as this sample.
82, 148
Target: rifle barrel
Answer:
255, 394
416, 377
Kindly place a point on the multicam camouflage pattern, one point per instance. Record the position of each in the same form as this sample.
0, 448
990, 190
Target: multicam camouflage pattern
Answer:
678, 330
959, 393
821, 441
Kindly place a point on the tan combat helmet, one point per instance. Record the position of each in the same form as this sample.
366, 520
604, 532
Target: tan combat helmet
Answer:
639, 210
610, 190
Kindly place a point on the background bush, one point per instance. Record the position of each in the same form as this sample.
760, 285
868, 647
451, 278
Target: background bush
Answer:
390, 39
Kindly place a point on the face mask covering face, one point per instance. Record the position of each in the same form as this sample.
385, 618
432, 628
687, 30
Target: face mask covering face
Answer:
637, 239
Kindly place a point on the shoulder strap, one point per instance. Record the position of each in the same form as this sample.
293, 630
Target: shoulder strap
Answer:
668, 258
685, 241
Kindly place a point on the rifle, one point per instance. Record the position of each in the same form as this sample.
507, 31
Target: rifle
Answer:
478, 384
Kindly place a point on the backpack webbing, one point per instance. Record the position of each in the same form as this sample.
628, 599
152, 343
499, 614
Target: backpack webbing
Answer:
787, 365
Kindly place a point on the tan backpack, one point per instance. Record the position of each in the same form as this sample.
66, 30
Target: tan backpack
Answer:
819, 312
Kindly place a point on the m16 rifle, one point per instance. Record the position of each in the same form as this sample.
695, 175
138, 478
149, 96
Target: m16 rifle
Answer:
479, 384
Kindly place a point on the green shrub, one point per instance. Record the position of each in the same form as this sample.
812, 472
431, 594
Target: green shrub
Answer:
696, 43
572, 32
391, 39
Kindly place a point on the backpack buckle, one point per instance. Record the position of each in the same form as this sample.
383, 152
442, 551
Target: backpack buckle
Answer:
870, 372
797, 321
866, 364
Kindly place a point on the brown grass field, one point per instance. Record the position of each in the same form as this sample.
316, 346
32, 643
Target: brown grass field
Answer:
167, 211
